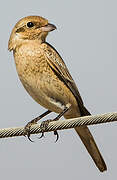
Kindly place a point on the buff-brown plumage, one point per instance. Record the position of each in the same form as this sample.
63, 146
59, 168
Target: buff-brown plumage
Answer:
46, 78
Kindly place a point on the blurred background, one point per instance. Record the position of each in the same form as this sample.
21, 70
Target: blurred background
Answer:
86, 38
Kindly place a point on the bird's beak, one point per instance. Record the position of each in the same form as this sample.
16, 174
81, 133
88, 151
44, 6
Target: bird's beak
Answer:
47, 28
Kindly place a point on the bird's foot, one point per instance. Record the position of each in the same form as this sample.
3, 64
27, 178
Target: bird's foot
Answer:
26, 130
44, 126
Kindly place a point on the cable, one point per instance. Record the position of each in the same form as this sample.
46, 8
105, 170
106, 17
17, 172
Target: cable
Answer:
61, 124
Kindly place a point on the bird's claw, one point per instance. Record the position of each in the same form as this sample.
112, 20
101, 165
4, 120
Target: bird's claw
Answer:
26, 131
44, 126
57, 135
42, 135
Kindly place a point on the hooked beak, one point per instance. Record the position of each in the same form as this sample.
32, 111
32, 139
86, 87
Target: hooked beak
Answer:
49, 27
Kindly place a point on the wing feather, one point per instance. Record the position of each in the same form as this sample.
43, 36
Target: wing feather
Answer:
57, 64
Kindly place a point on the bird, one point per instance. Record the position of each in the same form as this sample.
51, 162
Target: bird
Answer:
47, 79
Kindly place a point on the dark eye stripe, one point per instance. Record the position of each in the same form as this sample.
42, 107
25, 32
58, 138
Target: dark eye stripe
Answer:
21, 29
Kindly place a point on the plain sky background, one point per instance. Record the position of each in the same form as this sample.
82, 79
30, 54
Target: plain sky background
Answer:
86, 38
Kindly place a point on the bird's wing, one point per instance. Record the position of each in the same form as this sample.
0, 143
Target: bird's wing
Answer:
57, 64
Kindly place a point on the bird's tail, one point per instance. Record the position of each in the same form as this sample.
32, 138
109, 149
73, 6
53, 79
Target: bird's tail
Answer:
89, 142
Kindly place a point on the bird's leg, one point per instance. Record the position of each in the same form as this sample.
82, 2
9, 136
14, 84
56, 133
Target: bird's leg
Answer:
44, 124
32, 122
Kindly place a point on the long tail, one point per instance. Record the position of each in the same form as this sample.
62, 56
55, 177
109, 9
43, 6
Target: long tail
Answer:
88, 140
91, 147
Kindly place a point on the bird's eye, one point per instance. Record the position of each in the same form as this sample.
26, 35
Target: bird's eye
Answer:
30, 24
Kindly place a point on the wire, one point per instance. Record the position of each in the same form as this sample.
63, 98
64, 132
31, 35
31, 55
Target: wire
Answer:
61, 124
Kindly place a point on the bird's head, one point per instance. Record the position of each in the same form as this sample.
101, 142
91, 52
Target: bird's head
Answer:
29, 28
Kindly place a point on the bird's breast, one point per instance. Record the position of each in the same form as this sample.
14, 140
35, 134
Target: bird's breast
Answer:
40, 81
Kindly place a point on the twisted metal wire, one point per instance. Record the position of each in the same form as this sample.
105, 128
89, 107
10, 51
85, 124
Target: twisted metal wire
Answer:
61, 124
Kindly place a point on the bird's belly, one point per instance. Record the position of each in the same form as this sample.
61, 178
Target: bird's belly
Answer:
44, 94
49, 92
